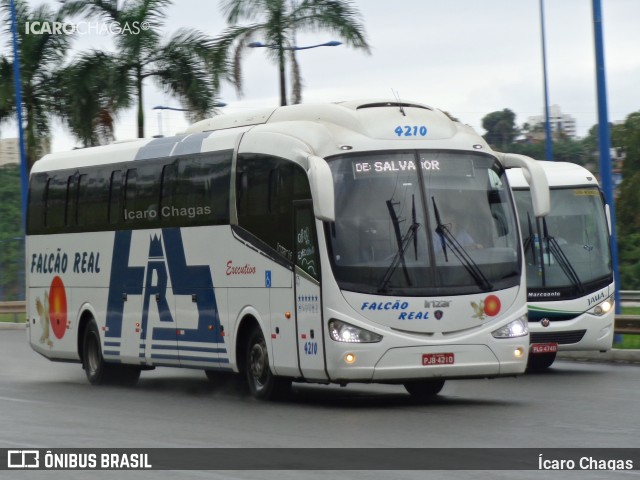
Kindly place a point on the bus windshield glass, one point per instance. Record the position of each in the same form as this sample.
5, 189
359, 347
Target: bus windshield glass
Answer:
421, 223
574, 251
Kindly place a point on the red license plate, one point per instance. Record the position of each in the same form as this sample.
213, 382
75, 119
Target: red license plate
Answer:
544, 348
438, 359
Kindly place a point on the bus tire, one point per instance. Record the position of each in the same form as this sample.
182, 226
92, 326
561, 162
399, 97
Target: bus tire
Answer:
263, 384
540, 362
97, 370
424, 389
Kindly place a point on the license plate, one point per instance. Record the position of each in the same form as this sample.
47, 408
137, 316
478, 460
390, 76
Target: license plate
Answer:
544, 348
438, 359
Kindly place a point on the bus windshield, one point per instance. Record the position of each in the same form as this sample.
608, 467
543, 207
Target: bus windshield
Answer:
574, 251
422, 223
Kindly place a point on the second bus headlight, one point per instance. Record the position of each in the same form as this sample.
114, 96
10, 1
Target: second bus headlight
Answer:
517, 328
603, 307
345, 332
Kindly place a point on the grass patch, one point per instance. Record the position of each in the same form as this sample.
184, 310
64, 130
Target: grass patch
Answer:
630, 310
628, 341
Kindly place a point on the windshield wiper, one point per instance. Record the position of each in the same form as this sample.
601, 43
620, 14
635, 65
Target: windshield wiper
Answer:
403, 244
561, 258
447, 238
527, 243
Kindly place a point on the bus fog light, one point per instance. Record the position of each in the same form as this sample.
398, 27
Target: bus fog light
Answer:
517, 328
518, 352
350, 358
345, 332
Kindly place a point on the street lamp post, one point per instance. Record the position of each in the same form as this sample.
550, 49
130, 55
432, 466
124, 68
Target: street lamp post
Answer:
162, 107
281, 49
604, 140
24, 173
159, 108
547, 124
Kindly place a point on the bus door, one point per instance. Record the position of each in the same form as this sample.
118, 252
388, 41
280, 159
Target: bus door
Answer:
310, 331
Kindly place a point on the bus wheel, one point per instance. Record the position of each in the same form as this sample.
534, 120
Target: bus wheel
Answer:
263, 384
92, 359
97, 370
540, 361
424, 389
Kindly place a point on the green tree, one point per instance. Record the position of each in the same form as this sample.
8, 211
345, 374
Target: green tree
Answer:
501, 128
627, 211
6, 90
41, 56
569, 150
275, 23
629, 248
93, 89
181, 65
627, 136
11, 237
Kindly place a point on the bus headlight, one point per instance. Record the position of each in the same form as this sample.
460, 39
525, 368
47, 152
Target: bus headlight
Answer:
603, 307
518, 328
345, 332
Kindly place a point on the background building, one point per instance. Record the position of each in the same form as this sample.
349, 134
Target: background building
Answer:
9, 151
562, 124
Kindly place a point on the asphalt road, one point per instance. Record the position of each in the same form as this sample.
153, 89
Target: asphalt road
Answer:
51, 405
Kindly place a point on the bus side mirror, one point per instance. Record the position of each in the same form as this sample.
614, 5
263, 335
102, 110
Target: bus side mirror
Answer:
321, 183
535, 176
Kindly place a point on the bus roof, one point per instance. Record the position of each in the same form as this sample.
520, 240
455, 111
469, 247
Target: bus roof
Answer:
559, 174
362, 125
320, 129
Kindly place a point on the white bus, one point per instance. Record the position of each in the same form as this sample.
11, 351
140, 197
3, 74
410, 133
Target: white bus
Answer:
569, 270
316, 243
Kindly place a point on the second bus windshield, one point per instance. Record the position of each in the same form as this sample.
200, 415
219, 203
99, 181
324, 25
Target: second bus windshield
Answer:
574, 251
422, 223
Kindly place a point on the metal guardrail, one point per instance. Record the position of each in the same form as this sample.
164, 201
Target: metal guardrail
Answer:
19, 306
630, 295
625, 324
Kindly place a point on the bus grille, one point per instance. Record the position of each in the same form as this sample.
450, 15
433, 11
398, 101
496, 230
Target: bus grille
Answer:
561, 338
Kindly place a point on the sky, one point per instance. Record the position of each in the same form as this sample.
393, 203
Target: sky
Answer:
467, 57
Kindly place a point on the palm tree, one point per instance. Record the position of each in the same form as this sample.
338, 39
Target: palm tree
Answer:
276, 22
6, 90
93, 89
180, 66
40, 57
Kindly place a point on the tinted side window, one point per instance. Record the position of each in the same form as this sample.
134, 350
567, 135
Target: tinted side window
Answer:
56, 202
195, 190
267, 188
93, 198
72, 200
36, 204
142, 196
115, 198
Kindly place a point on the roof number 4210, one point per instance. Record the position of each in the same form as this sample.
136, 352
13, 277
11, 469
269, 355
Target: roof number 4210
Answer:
411, 131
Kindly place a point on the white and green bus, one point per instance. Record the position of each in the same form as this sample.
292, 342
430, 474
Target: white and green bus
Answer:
308, 243
568, 262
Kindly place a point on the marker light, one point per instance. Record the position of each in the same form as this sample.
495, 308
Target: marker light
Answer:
345, 332
350, 358
603, 307
517, 328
